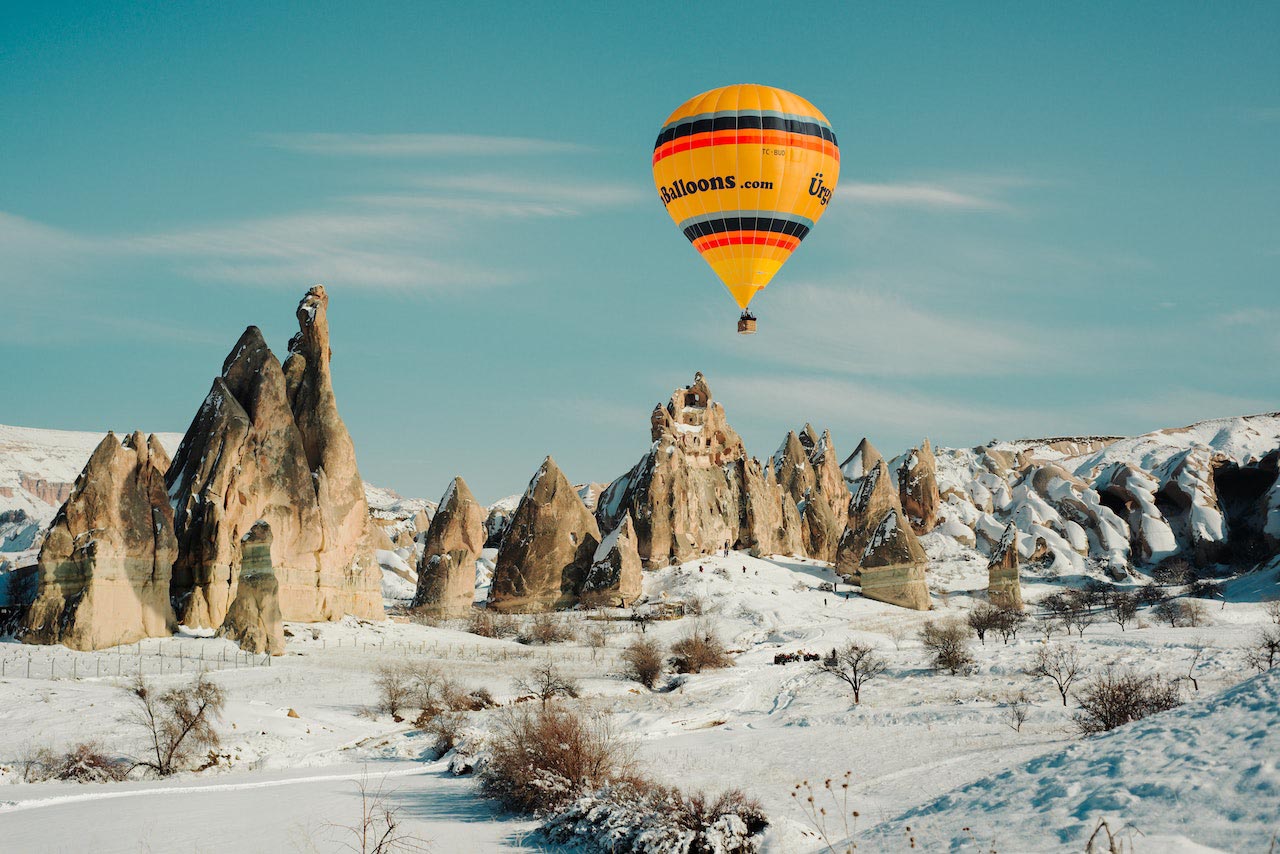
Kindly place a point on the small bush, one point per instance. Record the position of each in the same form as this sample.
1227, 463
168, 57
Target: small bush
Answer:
1264, 652
644, 660
393, 683
84, 763
546, 682
1119, 697
855, 665
543, 758
948, 641
1173, 572
1181, 612
982, 619
488, 624
699, 650
445, 726
545, 629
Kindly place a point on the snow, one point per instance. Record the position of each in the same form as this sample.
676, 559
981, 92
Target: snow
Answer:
917, 737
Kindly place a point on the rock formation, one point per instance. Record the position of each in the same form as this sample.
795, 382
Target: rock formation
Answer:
614, 578
447, 569
267, 443
1004, 590
253, 620
859, 463
696, 492
918, 488
893, 565
874, 497
806, 470
548, 549
104, 567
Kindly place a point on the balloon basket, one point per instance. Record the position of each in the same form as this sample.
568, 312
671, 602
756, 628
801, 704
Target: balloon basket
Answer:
746, 324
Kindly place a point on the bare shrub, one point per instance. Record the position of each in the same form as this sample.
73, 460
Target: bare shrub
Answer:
1181, 612
393, 682
546, 682
948, 641
597, 638
488, 624
545, 629
898, 633
644, 661
540, 759
446, 726
177, 723
1119, 697
1194, 613
1272, 606
87, 763
1263, 653
1017, 708
982, 619
700, 814
854, 664
378, 829
699, 650
1009, 621
1173, 572
1059, 663
1123, 608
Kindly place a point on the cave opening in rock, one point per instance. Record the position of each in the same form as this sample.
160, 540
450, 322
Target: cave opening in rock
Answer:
1115, 504
1241, 490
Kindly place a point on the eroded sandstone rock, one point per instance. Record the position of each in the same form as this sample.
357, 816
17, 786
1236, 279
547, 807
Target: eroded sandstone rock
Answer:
918, 488
893, 565
447, 568
1004, 590
104, 567
548, 549
253, 620
614, 577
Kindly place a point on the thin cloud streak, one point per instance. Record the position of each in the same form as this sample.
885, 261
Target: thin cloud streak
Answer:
915, 195
417, 145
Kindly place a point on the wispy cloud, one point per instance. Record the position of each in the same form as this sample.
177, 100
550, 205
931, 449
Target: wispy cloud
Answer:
417, 144
918, 195
1262, 115
865, 331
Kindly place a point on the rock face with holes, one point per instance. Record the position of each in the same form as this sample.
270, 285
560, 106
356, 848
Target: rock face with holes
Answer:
614, 577
447, 568
253, 620
918, 488
267, 443
696, 491
1004, 590
548, 549
104, 567
893, 565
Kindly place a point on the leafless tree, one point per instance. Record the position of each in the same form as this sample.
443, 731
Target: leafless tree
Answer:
1059, 663
379, 829
1272, 607
1124, 608
546, 682
1264, 654
855, 664
178, 723
1117, 697
1017, 708
948, 640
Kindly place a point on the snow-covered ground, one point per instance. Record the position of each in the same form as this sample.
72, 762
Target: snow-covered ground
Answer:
933, 752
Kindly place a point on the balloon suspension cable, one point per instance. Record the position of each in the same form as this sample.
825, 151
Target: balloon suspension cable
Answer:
747, 323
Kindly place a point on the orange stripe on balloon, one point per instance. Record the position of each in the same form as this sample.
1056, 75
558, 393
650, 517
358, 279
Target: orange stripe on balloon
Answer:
748, 238
745, 137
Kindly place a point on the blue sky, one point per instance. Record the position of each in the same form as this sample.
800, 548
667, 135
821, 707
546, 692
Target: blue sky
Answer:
1051, 220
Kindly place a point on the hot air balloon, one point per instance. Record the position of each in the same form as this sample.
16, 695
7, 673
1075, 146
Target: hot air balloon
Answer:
745, 171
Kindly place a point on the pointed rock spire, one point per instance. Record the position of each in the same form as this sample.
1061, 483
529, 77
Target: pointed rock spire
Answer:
104, 567
454, 540
1004, 590
548, 548
614, 577
918, 488
893, 565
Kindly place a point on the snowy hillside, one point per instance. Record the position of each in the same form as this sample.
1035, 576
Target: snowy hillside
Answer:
1204, 774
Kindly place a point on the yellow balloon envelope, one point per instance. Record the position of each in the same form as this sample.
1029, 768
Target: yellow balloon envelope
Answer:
745, 171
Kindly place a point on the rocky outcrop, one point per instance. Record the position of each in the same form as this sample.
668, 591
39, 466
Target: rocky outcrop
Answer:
874, 497
614, 577
696, 491
253, 620
859, 463
806, 470
447, 568
549, 548
1004, 590
918, 488
104, 567
893, 565
267, 443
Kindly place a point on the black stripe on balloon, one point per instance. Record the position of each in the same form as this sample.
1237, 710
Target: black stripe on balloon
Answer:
746, 121
747, 223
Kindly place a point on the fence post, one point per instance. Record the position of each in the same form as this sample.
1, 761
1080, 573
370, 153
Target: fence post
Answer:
28, 665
